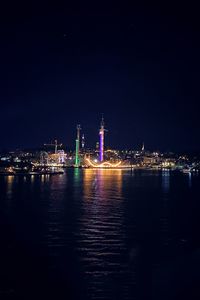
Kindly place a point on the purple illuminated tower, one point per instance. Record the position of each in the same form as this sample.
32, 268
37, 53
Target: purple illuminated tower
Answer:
101, 144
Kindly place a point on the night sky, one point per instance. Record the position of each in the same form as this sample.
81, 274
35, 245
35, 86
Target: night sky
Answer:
61, 66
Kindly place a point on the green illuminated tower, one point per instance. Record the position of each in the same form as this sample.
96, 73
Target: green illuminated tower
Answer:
77, 159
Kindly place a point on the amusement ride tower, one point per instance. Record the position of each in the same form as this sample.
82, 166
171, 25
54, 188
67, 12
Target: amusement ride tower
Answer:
83, 141
77, 159
101, 144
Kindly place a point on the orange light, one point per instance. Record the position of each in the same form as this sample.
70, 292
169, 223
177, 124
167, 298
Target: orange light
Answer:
104, 164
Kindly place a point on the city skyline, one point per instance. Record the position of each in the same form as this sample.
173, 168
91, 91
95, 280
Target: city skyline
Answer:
99, 150
90, 138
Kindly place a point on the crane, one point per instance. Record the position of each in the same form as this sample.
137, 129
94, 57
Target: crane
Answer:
56, 145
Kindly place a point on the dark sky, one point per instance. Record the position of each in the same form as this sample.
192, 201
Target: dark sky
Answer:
61, 66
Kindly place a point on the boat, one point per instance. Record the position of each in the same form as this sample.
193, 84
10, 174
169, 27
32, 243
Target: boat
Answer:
186, 170
47, 171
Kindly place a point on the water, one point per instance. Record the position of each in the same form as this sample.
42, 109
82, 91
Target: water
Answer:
100, 234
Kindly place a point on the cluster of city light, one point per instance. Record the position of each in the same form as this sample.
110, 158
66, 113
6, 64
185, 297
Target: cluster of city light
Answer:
111, 151
105, 164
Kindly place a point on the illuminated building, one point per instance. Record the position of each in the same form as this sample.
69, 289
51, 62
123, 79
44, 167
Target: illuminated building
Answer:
149, 160
44, 158
61, 156
77, 159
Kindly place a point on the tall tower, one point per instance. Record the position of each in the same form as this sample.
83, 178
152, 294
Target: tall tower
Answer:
77, 159
56, 146
143, 147
101, 144
83, 141
97, 146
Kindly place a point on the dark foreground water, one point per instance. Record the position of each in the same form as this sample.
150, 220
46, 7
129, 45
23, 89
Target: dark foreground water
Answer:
100, 234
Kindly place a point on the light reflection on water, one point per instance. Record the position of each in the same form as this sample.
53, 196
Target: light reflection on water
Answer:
164, 214
9, 181
165, 181
95, 226
190, 179
101, 242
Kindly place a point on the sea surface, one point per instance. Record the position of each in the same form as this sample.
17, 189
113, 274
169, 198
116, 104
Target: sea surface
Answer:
100, 234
